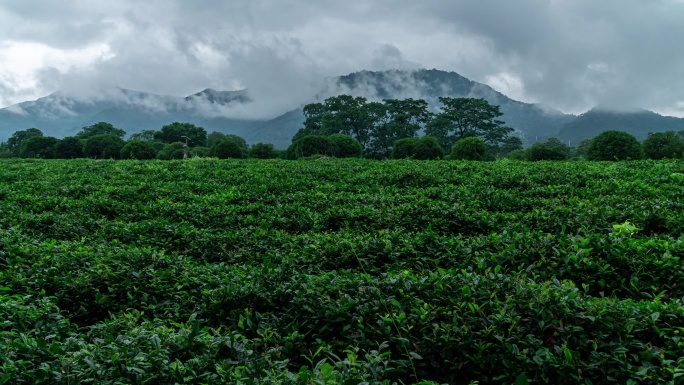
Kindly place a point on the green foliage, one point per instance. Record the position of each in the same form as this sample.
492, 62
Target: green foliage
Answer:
145, 135
552, 149
518, 155
393, 120
614, 145
341, 271
241, 142
428, 148
5, 151
374, 125
103, 146
138, 149
17, 139
310, 145
582, 148
509, 144
38, 147
344, 146
262, 151
425, 148
460, 118
100, 128
199, 152
69, 148
472, 148
343, 114
180, 132
661, 145
172, 151
215, 138
404, 148
227, 149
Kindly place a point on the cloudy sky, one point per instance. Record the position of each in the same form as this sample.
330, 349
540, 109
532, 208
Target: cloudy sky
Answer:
569, 54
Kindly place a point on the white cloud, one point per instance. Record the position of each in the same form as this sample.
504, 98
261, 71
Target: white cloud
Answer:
570, 54
509, 85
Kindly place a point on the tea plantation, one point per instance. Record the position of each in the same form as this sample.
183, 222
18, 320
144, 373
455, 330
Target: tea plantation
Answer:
341, 272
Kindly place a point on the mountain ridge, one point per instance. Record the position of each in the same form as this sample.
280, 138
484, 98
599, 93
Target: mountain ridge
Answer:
60, 114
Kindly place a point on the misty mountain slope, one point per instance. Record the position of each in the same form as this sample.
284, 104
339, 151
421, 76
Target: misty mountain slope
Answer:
280, 130
638, 123
533, 121
62, 115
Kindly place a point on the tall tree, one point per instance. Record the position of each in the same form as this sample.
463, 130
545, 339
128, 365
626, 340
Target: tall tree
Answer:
465, 117
178, 132
215, 138
343, 114
4, 151
145, 135
395, 119
100, 128
661, 145
103, 146
38, 147
240, 142
15, 141
69, 148
512, 143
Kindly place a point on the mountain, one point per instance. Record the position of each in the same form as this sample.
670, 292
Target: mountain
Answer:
533, 121
62, 114
638, 123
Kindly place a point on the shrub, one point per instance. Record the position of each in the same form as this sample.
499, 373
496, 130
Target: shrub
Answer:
172, 151
404, 148
215, 138
38, 147
227, 149
199, 152
517, 155
552, 149
178, 132
262, 151
614, 145
344, 146
137, 149
661, 145
472, 148
310, 145
69, 148
428, 148
424, 148
103, 146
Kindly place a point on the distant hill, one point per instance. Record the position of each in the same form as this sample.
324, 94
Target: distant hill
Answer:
62, 115
533, 121
638, 123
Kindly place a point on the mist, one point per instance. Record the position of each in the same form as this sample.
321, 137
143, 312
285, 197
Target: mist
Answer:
570, 55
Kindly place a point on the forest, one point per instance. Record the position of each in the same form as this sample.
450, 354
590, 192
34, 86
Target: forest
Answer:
345, 126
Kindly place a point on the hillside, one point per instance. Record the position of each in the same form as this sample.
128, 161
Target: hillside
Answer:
60, 114
638, 123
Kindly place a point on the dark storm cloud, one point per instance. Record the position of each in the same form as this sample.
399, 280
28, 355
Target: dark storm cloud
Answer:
570, 54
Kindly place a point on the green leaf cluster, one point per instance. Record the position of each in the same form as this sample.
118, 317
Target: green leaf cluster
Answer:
345, 271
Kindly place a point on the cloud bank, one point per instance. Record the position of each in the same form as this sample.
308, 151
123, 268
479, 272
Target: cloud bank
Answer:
569, 54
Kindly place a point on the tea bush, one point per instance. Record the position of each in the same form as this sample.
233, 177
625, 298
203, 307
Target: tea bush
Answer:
341, 271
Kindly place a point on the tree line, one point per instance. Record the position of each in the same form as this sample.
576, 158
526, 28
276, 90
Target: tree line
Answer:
463, 128
346, 126
379, 127
608, 146
103, 141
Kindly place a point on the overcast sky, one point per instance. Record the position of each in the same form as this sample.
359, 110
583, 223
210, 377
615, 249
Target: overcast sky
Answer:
569, 54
